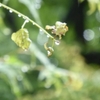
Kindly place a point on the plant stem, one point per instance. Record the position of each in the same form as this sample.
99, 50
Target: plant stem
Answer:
26, 18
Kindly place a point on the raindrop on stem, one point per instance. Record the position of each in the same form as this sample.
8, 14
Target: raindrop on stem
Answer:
57, 42
10, 11
19, 15
27, 20
24, 17
40, 30
48, 36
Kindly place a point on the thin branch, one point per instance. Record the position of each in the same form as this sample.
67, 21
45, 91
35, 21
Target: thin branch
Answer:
26, 18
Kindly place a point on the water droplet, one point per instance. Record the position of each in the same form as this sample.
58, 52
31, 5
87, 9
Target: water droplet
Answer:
27, 20
33, 23
10, 11
24, 17
40, 30
48, 36
57, 42
19, 15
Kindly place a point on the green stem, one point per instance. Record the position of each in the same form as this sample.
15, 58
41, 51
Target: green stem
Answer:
24, 23
26, 18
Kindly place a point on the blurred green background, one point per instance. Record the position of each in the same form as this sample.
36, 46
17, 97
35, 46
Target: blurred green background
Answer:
72, 72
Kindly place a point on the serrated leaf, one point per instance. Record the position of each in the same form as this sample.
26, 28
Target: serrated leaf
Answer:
21, 38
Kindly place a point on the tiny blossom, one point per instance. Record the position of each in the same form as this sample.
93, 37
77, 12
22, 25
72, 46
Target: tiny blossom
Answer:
58, 29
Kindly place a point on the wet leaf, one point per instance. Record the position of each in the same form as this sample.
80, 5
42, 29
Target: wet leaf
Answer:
21, 38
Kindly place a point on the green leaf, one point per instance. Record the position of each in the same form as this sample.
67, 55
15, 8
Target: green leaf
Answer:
21, 38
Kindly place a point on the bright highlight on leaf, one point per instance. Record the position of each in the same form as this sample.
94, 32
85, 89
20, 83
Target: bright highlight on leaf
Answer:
21, 38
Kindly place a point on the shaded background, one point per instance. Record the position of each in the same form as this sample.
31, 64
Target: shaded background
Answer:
72, 72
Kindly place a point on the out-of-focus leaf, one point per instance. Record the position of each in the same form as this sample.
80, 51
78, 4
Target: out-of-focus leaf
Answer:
93, 4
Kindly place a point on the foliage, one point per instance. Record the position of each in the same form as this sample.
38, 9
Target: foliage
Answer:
21, 38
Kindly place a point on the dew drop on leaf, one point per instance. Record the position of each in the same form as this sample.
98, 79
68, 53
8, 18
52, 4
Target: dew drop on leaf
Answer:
24, 17
40, 30
27, 20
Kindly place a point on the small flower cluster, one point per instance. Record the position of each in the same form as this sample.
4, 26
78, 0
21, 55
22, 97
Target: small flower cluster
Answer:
59, 29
